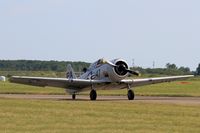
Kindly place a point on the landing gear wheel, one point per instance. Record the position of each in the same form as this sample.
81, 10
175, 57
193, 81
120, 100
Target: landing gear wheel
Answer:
73, 96
131, 95
93, 95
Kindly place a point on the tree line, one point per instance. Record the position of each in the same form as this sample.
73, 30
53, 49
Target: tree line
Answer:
35, 65
171, 69
60, 66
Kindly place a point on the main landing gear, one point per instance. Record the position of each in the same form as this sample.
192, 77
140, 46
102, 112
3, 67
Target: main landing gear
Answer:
131, 94
93, 95
73, 96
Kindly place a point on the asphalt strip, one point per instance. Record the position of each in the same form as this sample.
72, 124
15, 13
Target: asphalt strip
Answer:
145, 99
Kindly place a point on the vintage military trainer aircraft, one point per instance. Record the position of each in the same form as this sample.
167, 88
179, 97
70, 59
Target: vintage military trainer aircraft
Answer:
102, 74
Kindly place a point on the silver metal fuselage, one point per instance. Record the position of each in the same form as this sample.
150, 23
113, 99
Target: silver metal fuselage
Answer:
104, 72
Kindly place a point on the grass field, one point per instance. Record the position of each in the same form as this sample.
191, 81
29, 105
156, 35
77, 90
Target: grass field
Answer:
19, 116
34, 73
179, 88
10, 88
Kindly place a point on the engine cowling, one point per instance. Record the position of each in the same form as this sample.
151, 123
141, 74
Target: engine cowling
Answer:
119, 71
121, 68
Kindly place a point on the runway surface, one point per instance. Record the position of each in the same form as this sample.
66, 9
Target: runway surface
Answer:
151, 99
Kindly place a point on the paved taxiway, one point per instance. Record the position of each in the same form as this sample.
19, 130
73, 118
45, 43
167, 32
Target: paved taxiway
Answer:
145, 99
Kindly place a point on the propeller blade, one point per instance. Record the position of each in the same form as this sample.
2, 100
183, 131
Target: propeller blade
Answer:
104, 61
133, 72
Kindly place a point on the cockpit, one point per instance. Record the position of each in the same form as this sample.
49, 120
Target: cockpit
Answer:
97, 64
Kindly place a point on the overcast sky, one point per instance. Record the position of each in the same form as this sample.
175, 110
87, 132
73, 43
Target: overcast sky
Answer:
85, 30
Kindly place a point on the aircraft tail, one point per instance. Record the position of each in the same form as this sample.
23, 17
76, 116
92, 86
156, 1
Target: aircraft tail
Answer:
70, 72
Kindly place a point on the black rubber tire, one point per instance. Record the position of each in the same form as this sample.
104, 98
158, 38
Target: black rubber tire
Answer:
131, 95
93, 95
73, 96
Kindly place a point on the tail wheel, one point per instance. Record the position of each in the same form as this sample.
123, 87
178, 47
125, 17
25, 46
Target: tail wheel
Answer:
131, 95
93, 95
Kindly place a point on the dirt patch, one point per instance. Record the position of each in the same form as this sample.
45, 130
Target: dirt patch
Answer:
184, 83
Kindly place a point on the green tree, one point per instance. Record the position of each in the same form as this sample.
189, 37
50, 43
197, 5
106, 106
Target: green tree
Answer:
184, 69
198, 70
171, 66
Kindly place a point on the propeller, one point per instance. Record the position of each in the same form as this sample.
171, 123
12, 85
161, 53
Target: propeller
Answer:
120, 68
123, 69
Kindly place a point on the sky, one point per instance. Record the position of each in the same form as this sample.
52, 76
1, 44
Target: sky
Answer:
160, 31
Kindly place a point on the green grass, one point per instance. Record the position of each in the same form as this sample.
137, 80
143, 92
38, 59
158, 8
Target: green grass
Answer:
19, 116
33, 73
10, 88
179, 88
185, 88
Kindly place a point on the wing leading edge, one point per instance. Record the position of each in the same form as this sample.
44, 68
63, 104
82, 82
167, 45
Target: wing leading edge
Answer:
148, 81
80, 84
77, 84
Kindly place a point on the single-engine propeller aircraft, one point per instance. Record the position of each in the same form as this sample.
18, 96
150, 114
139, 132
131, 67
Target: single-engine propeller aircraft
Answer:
102, 74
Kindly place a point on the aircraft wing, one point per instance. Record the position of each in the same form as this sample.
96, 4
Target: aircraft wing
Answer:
80, 84
147, 81
77, 84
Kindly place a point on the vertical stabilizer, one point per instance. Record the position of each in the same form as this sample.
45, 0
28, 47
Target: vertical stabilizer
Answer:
70, 72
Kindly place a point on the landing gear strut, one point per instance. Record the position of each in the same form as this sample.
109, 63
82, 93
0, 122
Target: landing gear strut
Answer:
93, 95
131, 94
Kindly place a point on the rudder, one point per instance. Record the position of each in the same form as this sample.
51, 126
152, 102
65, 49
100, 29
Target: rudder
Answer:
70, 72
